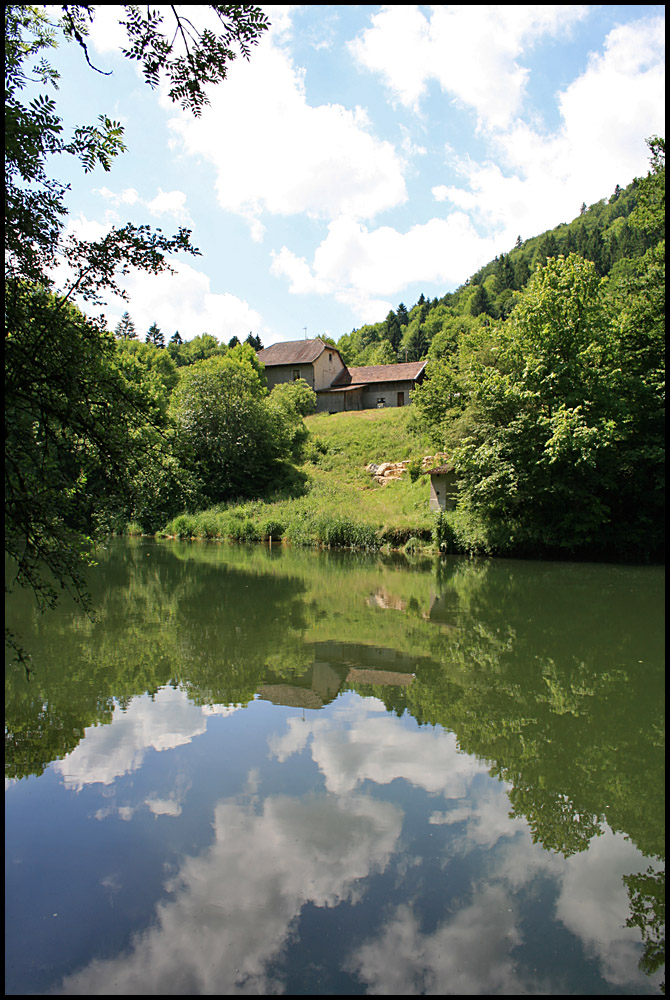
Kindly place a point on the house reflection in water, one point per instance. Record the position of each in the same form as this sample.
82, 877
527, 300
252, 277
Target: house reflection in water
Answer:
336, 664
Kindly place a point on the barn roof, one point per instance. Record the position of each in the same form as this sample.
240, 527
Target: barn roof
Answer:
294, 352
379, 373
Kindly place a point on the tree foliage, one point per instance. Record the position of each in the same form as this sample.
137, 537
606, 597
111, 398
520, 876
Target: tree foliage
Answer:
225, 431
192, 57
125, 328
77, 424
80, 418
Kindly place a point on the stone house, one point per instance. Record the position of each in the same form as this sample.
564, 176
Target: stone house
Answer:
337, 387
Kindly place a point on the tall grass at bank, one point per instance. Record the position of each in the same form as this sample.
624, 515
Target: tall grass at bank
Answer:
342, 506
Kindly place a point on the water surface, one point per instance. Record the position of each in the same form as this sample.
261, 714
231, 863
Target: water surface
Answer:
267, 771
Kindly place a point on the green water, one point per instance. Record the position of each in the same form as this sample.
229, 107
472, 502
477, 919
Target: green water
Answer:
267, 771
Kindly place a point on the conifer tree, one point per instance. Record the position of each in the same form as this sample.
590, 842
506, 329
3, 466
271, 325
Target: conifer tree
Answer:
402, 314
125, 328
155, 336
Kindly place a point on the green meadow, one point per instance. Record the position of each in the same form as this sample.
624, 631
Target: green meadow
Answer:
333, 500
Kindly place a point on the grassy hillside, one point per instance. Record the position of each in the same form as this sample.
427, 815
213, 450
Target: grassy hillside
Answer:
337, 502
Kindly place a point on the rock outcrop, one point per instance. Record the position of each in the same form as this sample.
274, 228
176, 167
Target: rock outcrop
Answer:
388, 472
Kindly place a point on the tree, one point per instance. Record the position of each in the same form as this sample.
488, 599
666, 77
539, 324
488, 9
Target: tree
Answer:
289, 402
254, 342
196, 349
75, 424
480, 301
72, 442
125, 328
393, 332
155, 336
225, 432
539, 467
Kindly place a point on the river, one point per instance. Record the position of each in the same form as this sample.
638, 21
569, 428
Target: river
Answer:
264, 771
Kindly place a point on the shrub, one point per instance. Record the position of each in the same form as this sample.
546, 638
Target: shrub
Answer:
414, 469
271, 528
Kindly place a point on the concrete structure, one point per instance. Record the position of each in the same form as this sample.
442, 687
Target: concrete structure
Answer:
443, 487
339, 388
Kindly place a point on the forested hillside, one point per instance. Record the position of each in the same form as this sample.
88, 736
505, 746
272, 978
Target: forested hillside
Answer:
603, 233
552, 402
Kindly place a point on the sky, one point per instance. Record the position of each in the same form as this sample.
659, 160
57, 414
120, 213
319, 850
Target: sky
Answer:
364, 155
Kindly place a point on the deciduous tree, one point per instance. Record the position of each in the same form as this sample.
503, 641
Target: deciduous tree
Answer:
71, 416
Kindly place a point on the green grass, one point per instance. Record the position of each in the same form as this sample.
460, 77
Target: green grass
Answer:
342, 506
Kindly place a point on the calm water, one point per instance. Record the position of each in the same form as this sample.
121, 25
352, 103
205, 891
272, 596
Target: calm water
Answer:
282, 772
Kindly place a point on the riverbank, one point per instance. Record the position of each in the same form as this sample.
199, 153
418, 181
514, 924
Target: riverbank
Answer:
336, 502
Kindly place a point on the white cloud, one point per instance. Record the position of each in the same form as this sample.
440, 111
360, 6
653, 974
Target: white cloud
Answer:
182, 300
359, 265
171, 203
534, 181
361, 744
106, 35
471, 954
234, 907
275, 153
593, 904
470, 51
109, 751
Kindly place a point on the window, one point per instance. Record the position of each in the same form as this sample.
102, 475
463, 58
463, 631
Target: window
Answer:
381, 401
296, 374
330, 358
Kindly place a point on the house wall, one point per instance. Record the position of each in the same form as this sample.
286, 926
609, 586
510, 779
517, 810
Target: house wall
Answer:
443, 491
338, 402
326, 368
285, 373
318, 374
388, 391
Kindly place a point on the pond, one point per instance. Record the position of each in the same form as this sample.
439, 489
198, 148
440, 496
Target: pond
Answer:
268, 771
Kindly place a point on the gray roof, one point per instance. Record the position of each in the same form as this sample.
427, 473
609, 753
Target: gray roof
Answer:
368, 374
294, 352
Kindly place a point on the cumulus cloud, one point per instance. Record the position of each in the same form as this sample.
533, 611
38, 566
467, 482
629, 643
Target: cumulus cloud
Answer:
235, 906
182, 300
361, 266
593, 905
472, 954
109, 751
361, 742
274, 152
171, 203
535, 179
471, 51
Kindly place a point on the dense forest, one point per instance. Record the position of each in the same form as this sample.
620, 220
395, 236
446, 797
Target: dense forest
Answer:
544, 382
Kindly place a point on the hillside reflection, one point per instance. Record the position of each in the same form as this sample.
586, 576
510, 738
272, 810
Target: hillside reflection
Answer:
548, 677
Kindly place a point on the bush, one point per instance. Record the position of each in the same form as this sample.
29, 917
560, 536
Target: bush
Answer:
271, 528
414, 469
180, 526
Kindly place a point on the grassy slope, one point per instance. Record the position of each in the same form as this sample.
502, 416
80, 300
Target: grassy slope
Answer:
342, 504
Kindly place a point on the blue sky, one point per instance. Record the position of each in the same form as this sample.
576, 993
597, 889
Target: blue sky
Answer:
364, 155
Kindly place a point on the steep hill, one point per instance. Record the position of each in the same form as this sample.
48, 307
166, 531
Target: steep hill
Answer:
600, 233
